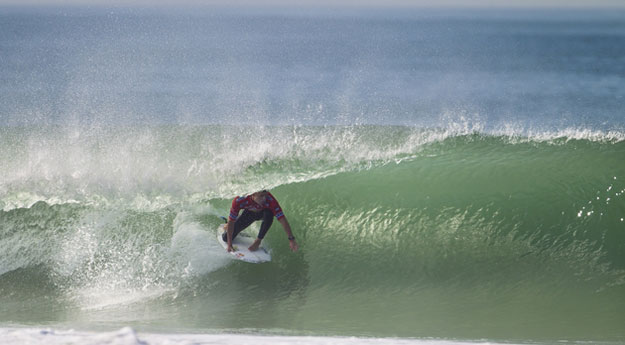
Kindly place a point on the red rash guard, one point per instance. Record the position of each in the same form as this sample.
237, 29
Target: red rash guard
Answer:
247, 203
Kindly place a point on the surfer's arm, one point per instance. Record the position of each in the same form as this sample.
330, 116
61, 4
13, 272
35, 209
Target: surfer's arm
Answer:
289, 233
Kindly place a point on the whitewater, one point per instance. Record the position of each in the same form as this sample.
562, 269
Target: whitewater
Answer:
462, 222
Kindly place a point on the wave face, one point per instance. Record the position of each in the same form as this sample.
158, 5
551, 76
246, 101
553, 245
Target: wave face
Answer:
411, 232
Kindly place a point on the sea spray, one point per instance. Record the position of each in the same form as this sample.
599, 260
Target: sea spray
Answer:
398, 227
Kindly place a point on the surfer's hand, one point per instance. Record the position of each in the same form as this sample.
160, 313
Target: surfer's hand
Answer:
293, 245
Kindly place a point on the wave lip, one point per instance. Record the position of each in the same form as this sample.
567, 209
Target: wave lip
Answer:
154, 167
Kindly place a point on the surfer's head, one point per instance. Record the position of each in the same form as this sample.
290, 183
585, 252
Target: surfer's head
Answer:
260, 197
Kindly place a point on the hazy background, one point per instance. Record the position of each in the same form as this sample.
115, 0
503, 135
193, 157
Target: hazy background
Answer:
323, 3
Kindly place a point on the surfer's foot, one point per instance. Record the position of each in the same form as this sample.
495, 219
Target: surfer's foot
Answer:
255, 245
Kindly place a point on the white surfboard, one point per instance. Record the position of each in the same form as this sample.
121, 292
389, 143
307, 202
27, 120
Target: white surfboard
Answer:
240, 245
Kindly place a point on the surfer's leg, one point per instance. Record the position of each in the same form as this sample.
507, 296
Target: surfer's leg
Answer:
246, 218
267, 220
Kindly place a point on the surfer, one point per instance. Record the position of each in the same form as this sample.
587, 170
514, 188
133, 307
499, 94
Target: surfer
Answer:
256, 206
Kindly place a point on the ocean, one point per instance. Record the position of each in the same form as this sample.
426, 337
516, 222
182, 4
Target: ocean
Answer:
452, 176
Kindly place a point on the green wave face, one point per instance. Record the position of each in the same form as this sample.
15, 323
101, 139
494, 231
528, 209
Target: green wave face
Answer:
403, 231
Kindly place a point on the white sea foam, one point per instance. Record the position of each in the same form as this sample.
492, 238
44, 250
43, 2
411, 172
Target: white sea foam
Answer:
128, 336
193, 249
134, 274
